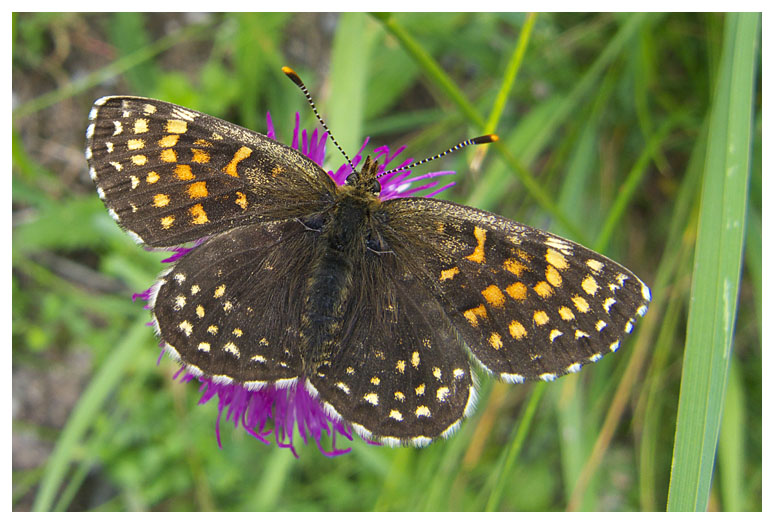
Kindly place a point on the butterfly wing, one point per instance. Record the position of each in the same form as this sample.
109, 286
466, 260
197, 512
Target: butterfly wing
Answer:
400, 374
170, 175
230, 308
528, 304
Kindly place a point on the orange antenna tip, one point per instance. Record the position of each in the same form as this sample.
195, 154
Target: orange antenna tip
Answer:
292, 75
485, 139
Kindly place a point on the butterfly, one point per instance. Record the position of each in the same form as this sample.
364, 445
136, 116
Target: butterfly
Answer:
380, 308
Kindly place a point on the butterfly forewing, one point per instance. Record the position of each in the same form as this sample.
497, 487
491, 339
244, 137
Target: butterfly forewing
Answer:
170, 175
230, 308
528, 304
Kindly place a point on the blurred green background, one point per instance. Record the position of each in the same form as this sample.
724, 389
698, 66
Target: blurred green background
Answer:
607, 137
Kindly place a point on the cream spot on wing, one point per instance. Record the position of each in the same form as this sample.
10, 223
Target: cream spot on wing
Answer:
596, 266
608, 303
186, 328
231, 348
442, 393
589, 284
422, 411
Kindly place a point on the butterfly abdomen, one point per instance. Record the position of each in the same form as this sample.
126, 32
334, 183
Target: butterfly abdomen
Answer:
330, 283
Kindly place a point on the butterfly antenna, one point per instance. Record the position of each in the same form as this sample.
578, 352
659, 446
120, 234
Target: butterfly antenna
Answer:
484, 139
290, 73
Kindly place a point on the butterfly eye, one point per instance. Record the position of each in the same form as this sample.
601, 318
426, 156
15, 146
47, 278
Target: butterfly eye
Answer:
376, 188
351, 179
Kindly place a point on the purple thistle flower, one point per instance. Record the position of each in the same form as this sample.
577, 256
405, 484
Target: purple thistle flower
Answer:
276, 411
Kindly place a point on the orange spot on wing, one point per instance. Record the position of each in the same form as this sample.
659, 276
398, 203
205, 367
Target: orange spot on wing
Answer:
242, 200
200, 156
543, 289
473, 315
580, 303
516, 330
514, 266
169, 155
540, 317
168, 141
478, 254
197, 190
449, 273
241, 154
556, 259
183, 171
517, 291
493, 295
553, 276
198, 215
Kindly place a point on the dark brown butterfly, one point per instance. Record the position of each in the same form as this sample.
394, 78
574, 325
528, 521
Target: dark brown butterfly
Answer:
378, 306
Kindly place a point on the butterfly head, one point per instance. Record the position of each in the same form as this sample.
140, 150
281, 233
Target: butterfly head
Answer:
366, 180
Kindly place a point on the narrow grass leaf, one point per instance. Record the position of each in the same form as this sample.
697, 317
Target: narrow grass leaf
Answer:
349, 72
717, 266
105, 380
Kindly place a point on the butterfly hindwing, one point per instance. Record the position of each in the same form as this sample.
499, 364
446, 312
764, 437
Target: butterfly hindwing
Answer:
170, 175
528, 304
400, 374
229, 308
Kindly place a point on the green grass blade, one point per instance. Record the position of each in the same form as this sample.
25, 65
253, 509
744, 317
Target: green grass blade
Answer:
731, 451
509, 456
716, 269
349, 74
103, 383
510, 75
633, 181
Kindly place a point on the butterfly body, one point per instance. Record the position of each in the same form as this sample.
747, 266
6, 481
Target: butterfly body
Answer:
377, 307
346, 229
